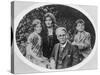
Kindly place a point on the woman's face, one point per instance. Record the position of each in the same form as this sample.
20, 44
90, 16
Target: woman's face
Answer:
38, 28
80, 27
48, 21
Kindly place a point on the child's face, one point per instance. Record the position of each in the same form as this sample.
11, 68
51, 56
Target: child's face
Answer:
38, 28
80, 27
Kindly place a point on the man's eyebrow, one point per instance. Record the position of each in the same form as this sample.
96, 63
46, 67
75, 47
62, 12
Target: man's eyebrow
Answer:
64, 30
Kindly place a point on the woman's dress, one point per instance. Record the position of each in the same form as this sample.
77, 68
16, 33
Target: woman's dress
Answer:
34, 51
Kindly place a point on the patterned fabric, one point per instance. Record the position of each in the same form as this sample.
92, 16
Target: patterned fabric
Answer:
34, 43
82, 41
82, 38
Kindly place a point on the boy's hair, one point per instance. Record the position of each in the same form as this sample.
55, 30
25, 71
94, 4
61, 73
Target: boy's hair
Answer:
80, 21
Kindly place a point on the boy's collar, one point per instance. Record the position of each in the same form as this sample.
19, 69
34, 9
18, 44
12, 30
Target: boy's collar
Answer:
63, 45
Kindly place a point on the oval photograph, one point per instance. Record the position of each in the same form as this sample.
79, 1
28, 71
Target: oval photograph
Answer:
55, 36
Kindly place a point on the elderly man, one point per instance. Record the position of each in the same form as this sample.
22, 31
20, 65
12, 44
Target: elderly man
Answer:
64, 54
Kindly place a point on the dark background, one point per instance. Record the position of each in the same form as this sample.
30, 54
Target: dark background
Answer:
65, 16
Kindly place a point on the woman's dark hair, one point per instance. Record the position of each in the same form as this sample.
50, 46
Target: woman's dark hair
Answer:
51, 16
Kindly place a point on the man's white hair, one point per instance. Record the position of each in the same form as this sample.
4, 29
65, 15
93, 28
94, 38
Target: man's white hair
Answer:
59, 29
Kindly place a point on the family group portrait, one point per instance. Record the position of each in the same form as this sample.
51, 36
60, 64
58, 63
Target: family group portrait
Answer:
55, 36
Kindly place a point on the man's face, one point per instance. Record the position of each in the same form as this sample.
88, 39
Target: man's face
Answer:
62, 37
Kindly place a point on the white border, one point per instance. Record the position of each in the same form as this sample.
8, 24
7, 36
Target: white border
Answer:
41, 69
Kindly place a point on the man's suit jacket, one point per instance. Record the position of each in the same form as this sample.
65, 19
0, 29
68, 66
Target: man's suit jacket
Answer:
69, 56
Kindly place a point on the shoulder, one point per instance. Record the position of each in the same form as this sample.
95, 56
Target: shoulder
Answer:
31, 34
56, 45
55, 26
86, 33
69, 43
71, 47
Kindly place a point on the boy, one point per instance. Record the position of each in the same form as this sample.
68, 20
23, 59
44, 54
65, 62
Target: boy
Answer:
82, 39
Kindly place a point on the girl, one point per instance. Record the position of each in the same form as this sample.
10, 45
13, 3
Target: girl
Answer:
33, 49
49, 37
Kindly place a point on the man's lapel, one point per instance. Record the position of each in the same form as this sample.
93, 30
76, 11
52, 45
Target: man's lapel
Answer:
65, 50
56, 51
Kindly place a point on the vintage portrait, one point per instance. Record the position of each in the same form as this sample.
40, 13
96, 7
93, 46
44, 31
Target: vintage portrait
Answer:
55, 36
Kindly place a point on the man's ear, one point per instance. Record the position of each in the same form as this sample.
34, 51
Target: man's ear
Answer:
67, 35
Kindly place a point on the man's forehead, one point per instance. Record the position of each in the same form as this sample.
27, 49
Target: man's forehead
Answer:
61, 32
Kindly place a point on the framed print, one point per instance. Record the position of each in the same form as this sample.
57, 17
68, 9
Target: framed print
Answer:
50, 37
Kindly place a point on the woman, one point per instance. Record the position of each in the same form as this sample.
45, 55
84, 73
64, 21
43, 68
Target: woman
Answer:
49, 37
33, 49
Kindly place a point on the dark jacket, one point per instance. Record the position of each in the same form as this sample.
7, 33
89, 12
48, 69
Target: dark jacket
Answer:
69, 56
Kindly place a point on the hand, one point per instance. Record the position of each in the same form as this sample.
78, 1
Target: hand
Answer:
80, 47
52, 63
39, 59
44, 58
74, 43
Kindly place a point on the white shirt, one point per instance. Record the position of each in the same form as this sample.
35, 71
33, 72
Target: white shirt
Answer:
62, 46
